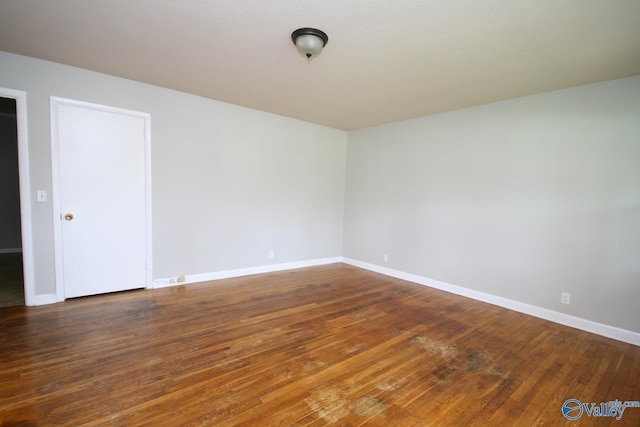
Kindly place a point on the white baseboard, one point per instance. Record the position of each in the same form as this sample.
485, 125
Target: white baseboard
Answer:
543, 313
227, 274
10, 250
43, 299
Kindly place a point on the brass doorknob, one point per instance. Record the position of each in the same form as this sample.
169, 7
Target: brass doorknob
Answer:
68, 217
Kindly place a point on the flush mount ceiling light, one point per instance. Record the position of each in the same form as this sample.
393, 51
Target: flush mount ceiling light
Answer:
309, 42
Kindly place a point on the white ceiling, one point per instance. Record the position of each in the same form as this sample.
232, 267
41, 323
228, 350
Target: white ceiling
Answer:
386, 60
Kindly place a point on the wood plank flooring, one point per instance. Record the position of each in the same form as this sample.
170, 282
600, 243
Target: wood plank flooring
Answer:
329, 345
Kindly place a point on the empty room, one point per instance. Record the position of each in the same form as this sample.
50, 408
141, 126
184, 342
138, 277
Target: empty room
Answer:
274, 213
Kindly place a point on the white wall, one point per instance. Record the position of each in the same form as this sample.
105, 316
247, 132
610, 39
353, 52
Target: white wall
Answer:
229, 183
521, 199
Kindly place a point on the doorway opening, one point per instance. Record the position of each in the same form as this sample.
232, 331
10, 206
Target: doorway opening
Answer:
11, 261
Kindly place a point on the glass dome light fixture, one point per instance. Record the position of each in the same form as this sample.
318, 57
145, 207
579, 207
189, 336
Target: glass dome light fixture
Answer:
309, 42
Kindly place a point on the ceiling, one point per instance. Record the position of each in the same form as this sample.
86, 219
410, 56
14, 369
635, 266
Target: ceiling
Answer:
385, 61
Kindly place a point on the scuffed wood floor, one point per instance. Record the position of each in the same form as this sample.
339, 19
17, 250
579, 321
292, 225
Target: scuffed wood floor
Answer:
325, 345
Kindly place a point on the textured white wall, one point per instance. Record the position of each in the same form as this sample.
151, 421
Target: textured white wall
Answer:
521, 199
229, 183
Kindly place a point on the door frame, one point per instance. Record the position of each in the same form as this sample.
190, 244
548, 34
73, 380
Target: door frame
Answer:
24, 178
55, 185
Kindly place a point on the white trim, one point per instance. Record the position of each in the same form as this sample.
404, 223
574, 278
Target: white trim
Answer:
148, 202
55, 102
10, 251
227, 274
55, 203
25, 192
44, 299
543, 313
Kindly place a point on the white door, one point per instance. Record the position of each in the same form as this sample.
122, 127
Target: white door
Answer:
102, 198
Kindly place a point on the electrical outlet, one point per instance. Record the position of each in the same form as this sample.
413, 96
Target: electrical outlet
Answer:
42, 196
272, 254
565, 298
386, 258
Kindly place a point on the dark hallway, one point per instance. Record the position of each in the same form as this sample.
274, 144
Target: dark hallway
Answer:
11, 277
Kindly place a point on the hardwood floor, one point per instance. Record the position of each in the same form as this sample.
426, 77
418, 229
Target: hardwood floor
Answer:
325, 345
